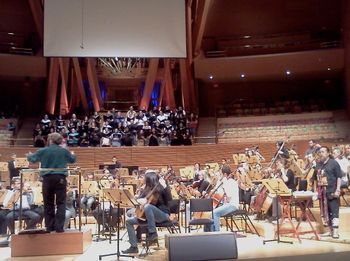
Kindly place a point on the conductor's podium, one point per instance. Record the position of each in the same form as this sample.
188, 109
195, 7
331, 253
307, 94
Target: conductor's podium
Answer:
70, 242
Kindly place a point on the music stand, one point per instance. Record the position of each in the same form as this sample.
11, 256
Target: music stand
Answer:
121, 198
279, 188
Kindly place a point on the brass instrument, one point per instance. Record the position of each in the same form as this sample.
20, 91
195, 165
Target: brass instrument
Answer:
321, 191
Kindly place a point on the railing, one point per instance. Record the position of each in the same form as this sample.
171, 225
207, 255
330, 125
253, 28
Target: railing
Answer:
271, 43
16, 43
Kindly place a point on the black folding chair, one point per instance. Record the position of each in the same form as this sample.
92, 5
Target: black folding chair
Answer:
201, 206
242, 215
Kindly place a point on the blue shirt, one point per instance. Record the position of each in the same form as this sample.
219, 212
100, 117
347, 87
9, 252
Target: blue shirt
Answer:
53, 156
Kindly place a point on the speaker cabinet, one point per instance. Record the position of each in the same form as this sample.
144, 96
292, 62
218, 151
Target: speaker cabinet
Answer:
201, 246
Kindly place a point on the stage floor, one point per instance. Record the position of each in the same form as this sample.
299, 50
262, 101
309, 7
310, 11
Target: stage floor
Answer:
249, 247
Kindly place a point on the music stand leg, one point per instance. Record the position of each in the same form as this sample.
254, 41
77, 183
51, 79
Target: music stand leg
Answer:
278, 239
118, 235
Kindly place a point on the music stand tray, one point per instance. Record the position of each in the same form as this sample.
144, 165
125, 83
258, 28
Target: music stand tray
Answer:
121, 198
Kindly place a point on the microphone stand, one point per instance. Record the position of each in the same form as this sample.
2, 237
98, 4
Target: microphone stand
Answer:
278, 239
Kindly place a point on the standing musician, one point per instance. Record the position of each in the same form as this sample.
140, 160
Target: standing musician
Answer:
230, 200
344, 164
154, 203
328, 176
54, 181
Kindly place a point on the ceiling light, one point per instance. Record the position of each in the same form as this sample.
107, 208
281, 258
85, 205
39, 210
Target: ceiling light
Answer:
328, 69
242, 75
211, 77
288, 72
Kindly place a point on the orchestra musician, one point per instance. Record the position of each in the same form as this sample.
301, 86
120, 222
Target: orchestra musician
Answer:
344, 164
12, 203
285, 173
106, 214
70, 208
154, 203
87, 200
54, 181
3, 212
282, 151
246, 191
328, 176
229, 201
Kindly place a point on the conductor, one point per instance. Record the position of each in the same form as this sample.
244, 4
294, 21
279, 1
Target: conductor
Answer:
54, 159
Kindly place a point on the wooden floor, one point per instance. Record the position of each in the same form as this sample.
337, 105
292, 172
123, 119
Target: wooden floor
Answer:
249, 247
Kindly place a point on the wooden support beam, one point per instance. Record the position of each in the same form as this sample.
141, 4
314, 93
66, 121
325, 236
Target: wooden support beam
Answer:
189, 33
38, 16
150, 79
161, 93
74, 93
80, 86
184, 84
169, 88
93, 83
199, 24
64, 69
187, 85
51, 91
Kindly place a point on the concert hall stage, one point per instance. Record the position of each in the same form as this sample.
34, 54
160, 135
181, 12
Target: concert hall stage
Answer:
250, 247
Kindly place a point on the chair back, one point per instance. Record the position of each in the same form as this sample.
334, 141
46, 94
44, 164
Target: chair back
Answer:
174, 206
201, 205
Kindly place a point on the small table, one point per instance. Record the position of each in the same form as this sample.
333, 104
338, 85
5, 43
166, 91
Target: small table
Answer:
303, 202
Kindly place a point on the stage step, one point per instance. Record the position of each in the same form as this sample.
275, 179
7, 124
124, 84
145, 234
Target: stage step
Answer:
68, 243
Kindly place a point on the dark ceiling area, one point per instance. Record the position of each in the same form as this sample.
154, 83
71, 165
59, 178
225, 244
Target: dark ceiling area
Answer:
248, 27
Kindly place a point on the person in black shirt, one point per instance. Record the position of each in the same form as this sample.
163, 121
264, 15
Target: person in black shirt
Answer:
328, 170
286, 174
154, 202
13, 171
282, 152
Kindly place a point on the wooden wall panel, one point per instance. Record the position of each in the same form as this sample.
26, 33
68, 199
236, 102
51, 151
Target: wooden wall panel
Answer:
160, 156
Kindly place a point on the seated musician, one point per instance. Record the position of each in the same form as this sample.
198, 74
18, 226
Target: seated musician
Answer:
3, 212
154, 203
202, 186
285, 173
70, 208
12, 202
245, 191
229, 200
106, 214
87, 200
282, 152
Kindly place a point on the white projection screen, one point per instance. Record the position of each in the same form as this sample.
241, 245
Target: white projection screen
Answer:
114, 28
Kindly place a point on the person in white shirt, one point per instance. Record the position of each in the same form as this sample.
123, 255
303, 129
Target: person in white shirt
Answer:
343, 163
230, 201
12, 202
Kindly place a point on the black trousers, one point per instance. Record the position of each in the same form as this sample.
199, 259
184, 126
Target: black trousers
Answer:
30, 217
3, 224
54, 186
333, 208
